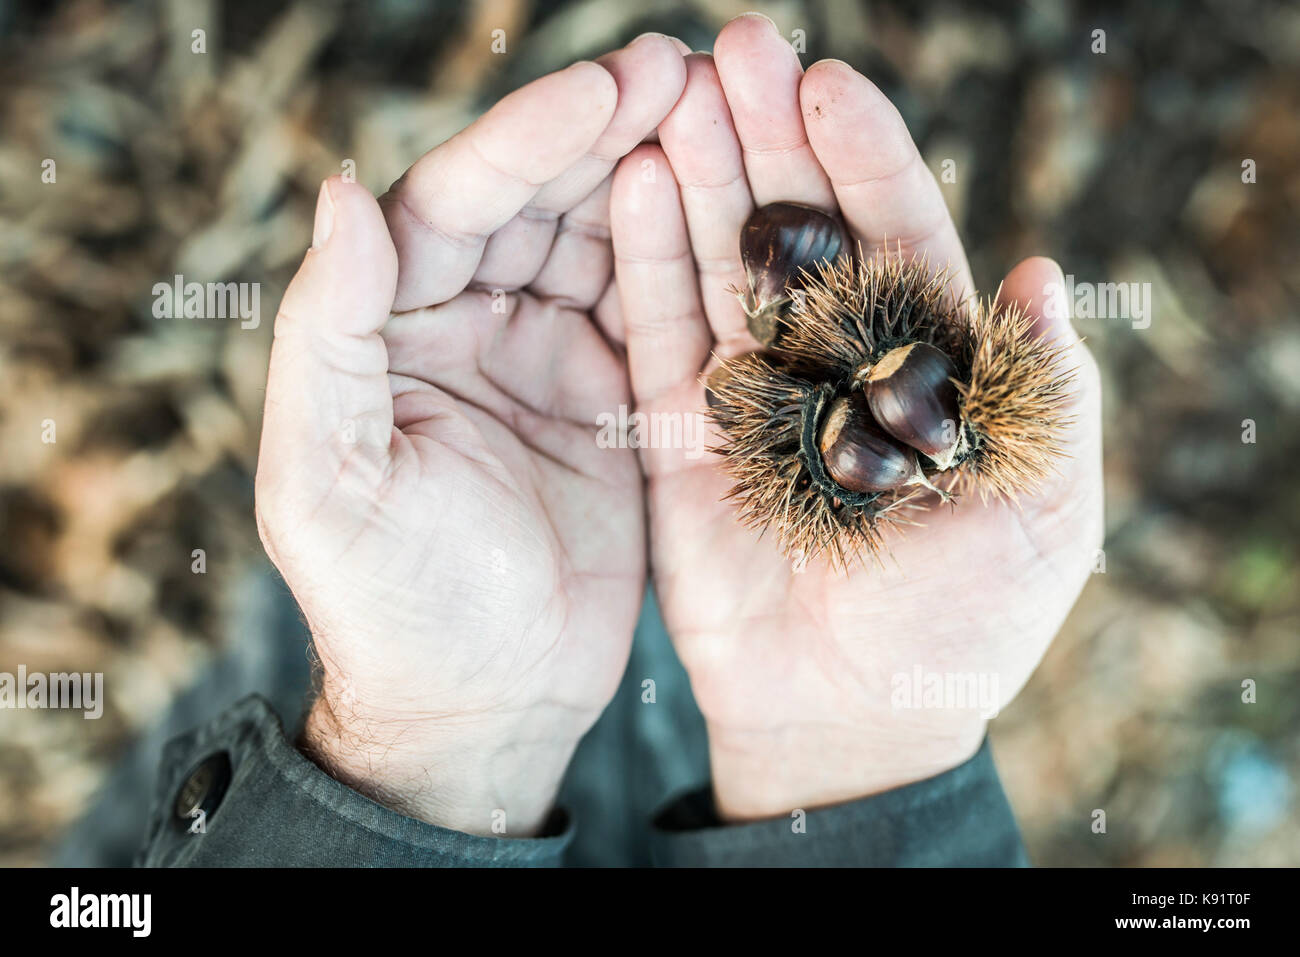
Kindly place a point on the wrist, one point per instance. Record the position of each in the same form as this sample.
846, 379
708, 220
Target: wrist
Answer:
773, 771
494, 776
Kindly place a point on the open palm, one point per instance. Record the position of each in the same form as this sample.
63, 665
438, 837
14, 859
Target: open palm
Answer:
470, 561
793, 671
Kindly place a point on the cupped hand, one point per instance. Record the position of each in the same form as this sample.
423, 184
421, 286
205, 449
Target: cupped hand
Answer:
469, 560
800, 675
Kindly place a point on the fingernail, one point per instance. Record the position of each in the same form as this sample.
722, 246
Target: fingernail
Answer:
755, 13
324, 224
681, 47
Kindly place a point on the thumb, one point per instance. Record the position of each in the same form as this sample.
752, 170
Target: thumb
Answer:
1038, 286
327, 391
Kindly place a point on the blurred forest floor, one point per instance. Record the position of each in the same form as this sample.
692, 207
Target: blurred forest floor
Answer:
1124, 165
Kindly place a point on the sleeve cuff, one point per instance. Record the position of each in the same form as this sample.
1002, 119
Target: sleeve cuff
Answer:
960, 818
261, 803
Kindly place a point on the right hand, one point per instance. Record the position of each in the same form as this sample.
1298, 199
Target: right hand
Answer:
793, 671
469, 561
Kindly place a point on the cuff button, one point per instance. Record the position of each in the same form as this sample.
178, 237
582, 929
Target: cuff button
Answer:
199, 796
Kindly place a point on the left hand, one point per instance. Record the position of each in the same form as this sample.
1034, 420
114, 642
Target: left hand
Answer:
469, 560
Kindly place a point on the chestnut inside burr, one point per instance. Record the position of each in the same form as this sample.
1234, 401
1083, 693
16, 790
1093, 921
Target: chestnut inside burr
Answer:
912, 396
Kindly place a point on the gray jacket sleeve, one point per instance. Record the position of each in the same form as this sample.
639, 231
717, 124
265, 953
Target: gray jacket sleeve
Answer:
236, 793
960, 818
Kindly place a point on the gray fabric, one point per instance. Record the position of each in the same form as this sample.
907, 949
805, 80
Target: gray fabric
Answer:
266, 655
639, 754
281, 810
960, 818
640, 757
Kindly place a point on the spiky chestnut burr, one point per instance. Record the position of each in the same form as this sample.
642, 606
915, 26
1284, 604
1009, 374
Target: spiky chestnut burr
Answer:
965, 385
770, 419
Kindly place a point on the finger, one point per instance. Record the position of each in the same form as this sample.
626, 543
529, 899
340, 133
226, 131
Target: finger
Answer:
608, 316
442, 210
649, 75
678, 45
885, 192
667, 335
1066, 513
1037, 285
519, 358
760, 73
700, 141
327, 388
580, 264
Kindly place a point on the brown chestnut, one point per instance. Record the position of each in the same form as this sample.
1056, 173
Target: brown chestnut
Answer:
717, 380
912, 396
858, 454
777, 241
